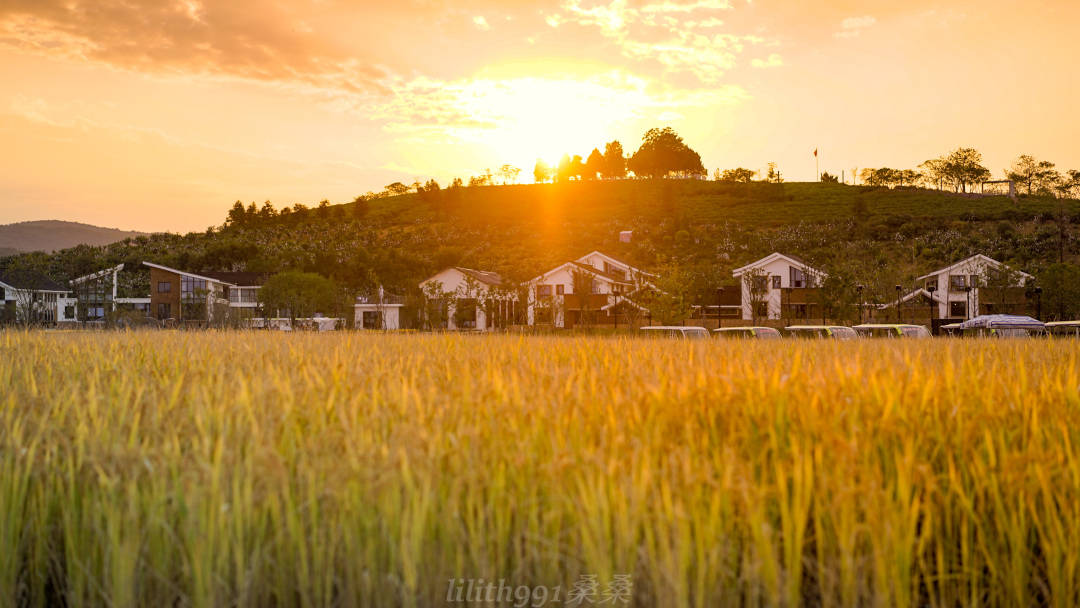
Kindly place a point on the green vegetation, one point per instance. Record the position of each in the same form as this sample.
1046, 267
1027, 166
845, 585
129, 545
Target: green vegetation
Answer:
699, 230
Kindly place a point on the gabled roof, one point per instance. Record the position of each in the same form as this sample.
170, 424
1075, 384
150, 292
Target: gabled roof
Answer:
773, 257
631, 271
96, 275
978, 257
910, 295
484, 276
30, 280
607, 275
615, 261
190, 274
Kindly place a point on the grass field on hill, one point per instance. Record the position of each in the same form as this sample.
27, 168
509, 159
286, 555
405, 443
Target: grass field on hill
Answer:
710, 201
212, 469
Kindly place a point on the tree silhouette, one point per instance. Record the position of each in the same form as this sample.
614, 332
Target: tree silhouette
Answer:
961, 168
541, 172
1037, 175
594, 165
509, 174
738, 175
614, 161
397, 188
664, 153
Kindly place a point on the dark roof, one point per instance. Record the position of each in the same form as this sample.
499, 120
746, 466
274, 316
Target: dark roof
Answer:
240, 279
607, 275
30, 279
491, 278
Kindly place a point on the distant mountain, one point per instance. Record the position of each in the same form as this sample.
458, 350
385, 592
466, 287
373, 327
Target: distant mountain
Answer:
53, 235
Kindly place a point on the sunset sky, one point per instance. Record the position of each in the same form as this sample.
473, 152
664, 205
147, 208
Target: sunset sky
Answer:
157, 115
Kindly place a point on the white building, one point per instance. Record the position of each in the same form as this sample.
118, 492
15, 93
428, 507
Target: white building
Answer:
32, 298
777, 282
380, 311
98, 293
960, 290
469, 299
611, 285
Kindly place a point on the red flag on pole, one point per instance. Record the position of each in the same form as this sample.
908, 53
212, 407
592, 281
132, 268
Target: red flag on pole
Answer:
815, 151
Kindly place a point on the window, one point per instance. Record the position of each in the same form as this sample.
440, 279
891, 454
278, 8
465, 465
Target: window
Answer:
776, 281
69, 312
597, 287
759, 284
543, 291
372, 319
560, 290
614, 270
192, 288
958, 309
957, 282
762, 309
164, 287
163, 311
798, 277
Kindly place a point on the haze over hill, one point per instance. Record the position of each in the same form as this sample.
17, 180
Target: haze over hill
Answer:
53, 235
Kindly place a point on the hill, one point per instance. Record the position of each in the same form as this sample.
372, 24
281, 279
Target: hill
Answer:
692, 232
53, 235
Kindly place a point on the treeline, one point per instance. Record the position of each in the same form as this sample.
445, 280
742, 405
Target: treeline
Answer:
662, 153
963, 168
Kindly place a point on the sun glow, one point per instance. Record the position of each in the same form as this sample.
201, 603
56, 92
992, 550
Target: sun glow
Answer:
546, 112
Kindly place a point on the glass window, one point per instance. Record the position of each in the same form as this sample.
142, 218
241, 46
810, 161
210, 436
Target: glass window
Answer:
543, 291
798, 277
163, 311
776, 282
957, 309
560, 290
759, 283
164, 287
957, 281
192, 288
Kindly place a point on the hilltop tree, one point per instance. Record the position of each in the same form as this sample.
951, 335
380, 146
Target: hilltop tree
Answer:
737, 175
828, 178
541, 172
509, 174
570, 167
960, 168
773, 176
397, 188
1037, 175
614, 161
237, 216
663, 153
1069, 185
594, 165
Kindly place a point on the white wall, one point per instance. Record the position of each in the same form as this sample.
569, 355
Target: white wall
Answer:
778, 267
971, 267
391, 315
453, 281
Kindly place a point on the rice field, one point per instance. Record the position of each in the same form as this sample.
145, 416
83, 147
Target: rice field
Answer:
255, 469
